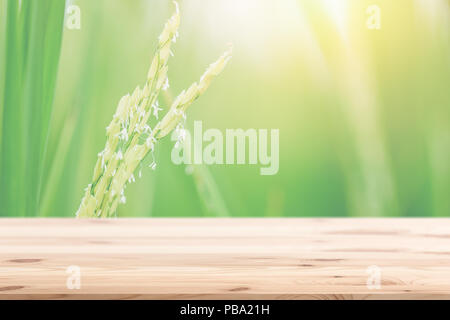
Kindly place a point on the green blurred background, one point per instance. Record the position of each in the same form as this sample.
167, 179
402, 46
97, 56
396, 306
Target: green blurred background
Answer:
364, 115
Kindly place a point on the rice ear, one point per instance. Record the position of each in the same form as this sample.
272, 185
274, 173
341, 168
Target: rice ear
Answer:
129, 136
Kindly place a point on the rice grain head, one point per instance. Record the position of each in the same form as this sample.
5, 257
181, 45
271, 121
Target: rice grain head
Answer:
130, 138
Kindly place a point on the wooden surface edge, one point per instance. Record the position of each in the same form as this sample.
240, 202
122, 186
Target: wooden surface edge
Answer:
182, 297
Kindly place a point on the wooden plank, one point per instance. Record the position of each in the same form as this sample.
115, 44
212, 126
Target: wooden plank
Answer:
225, 258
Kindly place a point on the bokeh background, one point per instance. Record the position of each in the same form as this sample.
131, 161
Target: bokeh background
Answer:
364, 115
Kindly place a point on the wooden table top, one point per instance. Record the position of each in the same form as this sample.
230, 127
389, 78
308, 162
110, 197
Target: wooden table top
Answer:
225, 258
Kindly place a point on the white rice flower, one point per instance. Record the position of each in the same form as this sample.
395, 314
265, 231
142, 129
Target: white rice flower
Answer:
150, 142
123, 135
147, 129
156, 110
166, 85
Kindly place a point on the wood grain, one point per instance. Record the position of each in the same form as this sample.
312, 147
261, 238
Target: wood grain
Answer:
225, 258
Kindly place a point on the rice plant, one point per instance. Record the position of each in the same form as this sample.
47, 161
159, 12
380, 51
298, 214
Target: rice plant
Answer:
135, 128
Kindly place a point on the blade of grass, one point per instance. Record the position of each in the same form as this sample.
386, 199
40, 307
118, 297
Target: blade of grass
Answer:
44, 50
209, 192
12, 152
33, 41
2, 62
54, 176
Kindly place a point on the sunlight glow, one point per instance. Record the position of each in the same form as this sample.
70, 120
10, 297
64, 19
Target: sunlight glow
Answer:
338, 11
